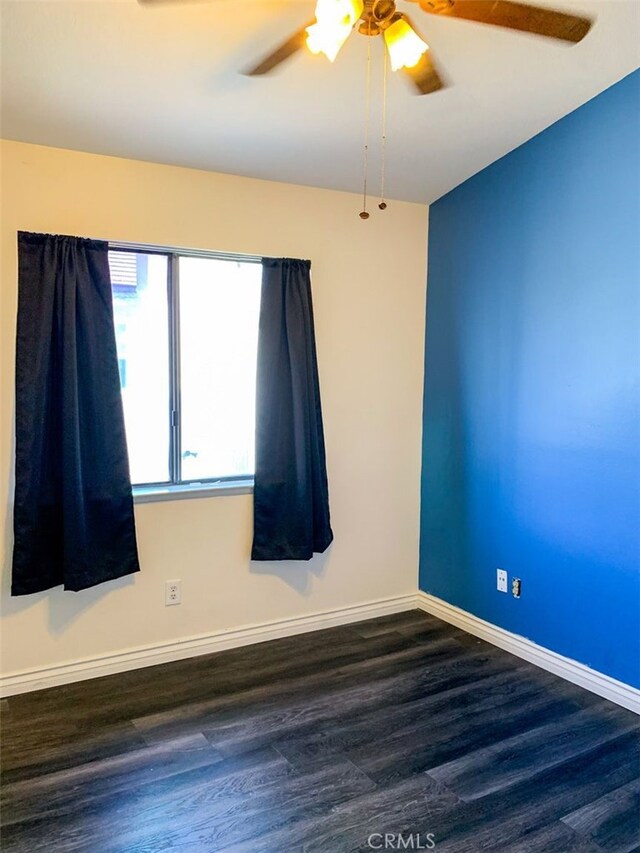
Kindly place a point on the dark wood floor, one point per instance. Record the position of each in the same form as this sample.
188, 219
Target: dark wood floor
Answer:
400, 725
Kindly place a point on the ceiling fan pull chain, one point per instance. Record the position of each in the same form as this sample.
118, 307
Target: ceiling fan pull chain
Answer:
383, 203
364, 214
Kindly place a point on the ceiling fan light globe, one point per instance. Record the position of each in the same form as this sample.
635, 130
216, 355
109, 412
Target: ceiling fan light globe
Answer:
339, 13
405, 46
327, 40
334, 21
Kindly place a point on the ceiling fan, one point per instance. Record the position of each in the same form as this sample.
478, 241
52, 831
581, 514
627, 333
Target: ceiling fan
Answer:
408, 52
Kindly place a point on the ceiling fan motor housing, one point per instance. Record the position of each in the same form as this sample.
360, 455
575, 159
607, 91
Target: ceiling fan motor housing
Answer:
377, 15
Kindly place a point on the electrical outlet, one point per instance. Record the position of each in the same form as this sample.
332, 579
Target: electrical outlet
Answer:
501, 577
516, 587
172, 592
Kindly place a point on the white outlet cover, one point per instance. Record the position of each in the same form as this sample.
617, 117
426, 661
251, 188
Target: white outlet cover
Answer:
501, 577
172, 593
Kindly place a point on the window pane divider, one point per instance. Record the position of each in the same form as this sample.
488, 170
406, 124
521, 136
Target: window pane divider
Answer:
175, 462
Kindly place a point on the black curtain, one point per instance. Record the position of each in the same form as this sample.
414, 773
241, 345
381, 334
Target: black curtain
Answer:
291, 496
73, 515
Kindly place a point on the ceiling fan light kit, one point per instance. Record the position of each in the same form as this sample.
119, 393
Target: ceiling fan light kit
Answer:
335, 20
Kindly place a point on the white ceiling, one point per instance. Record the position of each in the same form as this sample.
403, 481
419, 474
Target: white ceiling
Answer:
162, 83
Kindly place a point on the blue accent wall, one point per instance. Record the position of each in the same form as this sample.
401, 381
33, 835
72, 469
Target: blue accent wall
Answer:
531, 444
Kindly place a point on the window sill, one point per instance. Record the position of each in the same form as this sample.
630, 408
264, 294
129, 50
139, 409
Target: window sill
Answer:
151, 494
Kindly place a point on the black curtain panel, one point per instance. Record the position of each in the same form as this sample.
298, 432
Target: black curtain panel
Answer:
291, 496
73, 515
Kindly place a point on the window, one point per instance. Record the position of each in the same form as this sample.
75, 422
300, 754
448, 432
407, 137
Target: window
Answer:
187, 335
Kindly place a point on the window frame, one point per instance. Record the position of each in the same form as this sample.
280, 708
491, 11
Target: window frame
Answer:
175, 487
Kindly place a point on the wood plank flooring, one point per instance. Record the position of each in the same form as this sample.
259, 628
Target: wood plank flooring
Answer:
324, 743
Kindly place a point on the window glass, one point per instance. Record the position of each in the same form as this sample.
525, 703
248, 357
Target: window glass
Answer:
141, 318
219, 308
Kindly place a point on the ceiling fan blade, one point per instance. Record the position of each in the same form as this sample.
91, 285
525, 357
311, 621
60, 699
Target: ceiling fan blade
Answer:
513, 16
424, 75
292, 45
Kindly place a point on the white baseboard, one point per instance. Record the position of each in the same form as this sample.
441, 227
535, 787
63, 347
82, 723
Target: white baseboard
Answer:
25, 681
79, 670
571, 670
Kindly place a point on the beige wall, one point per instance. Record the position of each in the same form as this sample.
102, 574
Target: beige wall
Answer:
369, 293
